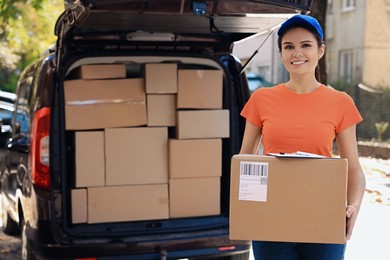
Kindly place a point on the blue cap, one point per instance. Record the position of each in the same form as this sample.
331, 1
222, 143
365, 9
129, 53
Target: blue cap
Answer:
305, 21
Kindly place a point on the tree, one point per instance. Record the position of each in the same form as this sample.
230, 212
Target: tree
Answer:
26, 29
318, 10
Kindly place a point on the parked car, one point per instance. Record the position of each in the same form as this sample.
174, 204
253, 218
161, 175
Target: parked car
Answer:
40, 165
7, 100
6, 110
8, 97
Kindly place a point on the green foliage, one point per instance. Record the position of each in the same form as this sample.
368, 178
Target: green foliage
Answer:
26, 30
9, 80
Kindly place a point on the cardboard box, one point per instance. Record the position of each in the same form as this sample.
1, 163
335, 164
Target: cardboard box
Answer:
192, 197
291, 200
101, 71
194, 158
128, 203
200, 89
95, 104
136, 155
161, 110
89, 92
79, 206
161, 78
202, 124
101, 116
90, 168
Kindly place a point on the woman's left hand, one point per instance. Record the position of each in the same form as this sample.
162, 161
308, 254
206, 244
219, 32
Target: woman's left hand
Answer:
351, 213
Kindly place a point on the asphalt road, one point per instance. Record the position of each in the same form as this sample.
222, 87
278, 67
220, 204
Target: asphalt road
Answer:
369, 240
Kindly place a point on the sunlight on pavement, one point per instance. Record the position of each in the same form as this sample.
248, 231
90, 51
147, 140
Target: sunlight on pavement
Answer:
377, 172
370, 238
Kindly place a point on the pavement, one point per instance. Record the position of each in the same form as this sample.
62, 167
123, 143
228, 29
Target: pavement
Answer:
371, 236
9, 247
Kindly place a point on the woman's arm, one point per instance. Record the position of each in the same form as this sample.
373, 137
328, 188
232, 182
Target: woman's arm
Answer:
347, 145
251, 139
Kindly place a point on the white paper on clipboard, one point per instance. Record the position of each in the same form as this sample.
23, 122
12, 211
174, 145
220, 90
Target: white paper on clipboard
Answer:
297, 155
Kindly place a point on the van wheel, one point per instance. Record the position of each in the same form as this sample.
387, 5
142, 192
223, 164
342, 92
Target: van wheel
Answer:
26, 249
10, 227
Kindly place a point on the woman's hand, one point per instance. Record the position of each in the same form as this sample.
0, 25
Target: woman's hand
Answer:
347, 144
351, 213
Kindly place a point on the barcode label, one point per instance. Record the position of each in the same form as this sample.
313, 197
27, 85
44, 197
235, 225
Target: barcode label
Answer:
253, 181
254, 169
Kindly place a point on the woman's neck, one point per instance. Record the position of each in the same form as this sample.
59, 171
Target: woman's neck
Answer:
302, 85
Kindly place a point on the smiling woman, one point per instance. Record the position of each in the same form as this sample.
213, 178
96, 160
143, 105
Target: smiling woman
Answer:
315, 37
304, 115
300, 53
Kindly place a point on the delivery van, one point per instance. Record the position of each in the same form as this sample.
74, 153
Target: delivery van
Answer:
123, 131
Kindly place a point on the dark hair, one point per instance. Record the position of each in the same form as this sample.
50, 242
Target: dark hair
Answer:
310, 29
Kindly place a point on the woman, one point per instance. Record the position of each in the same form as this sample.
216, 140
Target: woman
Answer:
304, 115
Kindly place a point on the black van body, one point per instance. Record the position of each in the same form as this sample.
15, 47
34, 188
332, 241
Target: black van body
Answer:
40, 165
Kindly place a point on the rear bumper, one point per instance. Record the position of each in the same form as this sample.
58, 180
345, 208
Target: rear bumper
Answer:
199, 247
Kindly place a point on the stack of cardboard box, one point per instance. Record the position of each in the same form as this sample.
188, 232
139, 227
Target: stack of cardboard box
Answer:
126, 168
93, 102
195, 156
114, 179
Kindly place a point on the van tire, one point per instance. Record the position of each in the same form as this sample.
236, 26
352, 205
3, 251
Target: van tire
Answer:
10, 227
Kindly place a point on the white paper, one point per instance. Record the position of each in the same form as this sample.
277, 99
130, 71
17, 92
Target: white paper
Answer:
297, 155
253, 181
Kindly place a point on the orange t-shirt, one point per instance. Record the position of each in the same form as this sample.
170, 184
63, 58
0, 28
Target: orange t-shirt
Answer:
293, 122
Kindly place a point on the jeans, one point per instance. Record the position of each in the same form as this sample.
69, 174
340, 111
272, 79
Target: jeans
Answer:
297, 251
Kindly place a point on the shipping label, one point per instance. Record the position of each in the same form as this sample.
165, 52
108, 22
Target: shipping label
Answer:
253, 181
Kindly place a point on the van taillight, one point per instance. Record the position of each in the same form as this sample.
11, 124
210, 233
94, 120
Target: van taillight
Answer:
40, 148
